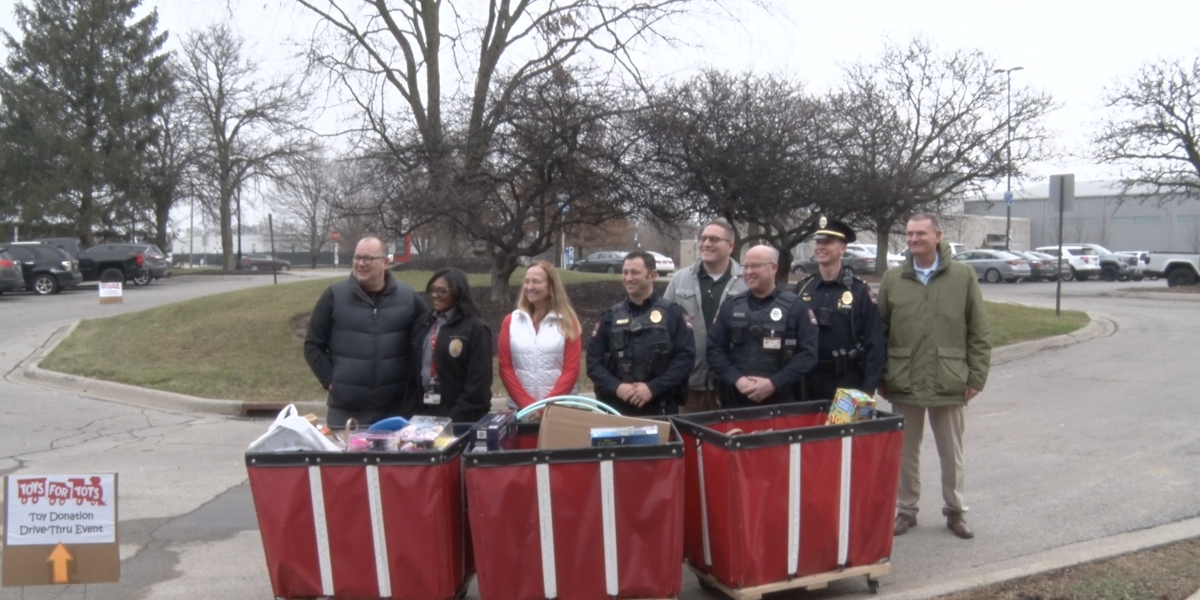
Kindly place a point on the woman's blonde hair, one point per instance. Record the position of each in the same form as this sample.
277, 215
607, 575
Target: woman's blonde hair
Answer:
559, 302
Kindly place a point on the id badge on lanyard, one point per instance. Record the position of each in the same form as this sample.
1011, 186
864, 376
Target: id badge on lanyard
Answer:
433, 394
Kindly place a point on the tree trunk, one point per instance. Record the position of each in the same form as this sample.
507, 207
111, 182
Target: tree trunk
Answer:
503, 265
881, 247
226, 234
162, 218
785, 267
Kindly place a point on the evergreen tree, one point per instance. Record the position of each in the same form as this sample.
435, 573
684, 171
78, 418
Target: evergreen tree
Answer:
81, 90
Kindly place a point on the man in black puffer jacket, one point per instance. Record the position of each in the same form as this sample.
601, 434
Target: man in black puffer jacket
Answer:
358, 342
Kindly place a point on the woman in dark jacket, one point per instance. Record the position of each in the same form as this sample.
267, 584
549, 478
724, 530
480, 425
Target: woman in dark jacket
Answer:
455, 350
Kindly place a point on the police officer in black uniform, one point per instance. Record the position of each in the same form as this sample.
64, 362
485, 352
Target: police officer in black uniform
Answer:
851, 348
642, 350
763, 341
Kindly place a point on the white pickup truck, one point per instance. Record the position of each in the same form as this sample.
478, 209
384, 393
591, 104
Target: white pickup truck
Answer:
1178, 269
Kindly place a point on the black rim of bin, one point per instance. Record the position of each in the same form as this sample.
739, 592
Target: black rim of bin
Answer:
507, 458
414, 457
697, 425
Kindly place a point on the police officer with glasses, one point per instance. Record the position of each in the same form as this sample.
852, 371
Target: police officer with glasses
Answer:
763, 341
850, 348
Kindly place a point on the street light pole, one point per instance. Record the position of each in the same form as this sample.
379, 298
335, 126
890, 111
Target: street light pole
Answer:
1008, 149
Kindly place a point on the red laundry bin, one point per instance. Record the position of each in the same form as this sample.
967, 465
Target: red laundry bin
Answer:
774, 494
363, 525
577, 524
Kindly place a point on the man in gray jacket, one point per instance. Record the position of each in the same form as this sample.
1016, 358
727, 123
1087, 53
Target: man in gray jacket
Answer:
700, 290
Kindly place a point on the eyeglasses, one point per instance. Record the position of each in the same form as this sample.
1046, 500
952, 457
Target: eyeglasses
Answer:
439, 291
366, 260
756, 266
712, 239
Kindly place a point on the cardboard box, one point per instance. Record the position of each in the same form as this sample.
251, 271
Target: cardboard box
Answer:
624, 436
572, 428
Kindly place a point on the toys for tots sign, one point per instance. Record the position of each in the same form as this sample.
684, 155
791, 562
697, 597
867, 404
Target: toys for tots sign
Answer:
68, 509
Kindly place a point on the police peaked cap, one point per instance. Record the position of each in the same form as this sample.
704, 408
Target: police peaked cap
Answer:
832, 229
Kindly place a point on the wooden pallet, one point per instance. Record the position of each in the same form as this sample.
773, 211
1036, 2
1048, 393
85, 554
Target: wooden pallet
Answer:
809, 582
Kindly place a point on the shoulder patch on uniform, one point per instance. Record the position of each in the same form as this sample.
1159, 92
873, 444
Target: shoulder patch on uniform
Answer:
687, 318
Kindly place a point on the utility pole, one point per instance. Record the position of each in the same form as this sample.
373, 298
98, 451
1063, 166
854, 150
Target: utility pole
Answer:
1008, 197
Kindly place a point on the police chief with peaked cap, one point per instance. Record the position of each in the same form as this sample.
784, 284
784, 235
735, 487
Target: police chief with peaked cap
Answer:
850, 347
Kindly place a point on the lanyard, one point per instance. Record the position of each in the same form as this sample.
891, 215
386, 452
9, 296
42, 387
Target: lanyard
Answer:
433, 350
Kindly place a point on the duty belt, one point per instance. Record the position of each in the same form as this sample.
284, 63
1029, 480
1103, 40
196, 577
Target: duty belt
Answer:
843, 360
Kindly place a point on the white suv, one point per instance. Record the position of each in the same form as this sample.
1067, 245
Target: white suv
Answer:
1084, 261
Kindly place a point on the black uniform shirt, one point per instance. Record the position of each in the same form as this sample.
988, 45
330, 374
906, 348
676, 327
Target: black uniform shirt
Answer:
845, 325
683, 350
720, 361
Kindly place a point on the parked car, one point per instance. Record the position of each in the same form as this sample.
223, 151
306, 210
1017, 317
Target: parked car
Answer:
663, 263
119, 262
1084, 261
264, 262
1043, 266
1113, 266
10, 273
1142, 258
601, 262
893, 260
1177, 269
857, 261
994, 266
44, 268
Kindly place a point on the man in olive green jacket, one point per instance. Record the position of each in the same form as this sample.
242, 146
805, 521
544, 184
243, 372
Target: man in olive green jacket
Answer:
938, 354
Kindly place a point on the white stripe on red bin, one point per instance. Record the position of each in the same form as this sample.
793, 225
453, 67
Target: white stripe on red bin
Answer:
378, 535
546, 525
317, 492
844, 507
794, 509
703, 504
608, 511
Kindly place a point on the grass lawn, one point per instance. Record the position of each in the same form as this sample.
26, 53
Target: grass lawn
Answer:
248, 345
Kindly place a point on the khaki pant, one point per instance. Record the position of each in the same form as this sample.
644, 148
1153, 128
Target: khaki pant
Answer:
700, 401
947, 423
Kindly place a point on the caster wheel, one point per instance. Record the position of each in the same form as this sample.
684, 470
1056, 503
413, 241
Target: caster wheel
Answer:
873, 585
705, 585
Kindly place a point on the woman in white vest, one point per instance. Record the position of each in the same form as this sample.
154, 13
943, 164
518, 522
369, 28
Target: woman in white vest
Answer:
539, 344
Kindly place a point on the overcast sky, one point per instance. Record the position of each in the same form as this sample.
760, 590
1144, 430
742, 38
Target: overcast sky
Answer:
1072, 50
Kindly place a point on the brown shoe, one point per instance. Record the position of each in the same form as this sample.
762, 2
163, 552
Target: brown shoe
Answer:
958, 525
904, 523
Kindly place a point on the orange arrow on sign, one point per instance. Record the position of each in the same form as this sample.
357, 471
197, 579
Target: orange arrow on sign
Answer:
59, 557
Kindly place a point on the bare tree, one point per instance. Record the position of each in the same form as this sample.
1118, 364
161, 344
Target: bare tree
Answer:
747, 148
391, 57
922, 128
305, 198
244, 126
1152, 129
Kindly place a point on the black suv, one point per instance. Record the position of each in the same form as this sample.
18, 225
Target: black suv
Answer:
47, 269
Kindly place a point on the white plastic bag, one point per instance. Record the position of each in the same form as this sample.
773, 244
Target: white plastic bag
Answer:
291, 432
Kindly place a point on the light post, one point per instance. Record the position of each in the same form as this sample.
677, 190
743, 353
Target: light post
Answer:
1008, 147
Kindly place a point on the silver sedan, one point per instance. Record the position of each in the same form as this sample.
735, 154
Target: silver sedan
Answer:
995, 266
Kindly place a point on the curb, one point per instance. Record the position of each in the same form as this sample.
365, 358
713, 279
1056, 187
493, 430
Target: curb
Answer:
1099, 326
1059, 558
1159, 296
29, 372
